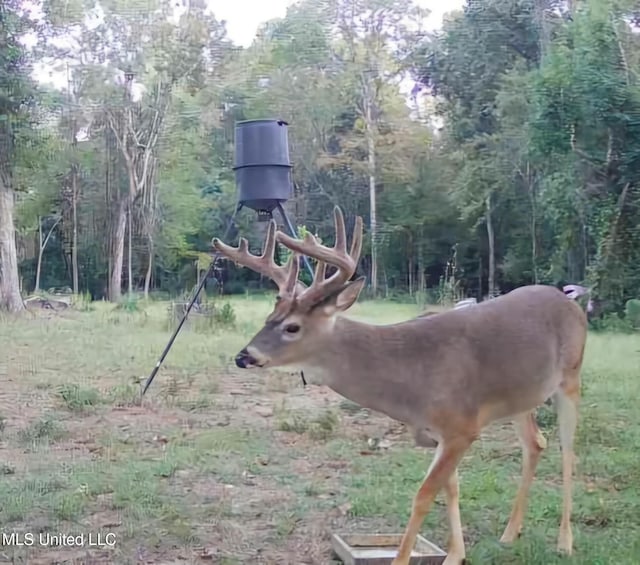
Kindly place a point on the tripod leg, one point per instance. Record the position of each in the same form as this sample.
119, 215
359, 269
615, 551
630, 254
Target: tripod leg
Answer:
212, 271
199, 288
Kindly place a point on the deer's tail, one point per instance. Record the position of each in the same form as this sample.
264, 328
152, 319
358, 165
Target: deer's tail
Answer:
575, 291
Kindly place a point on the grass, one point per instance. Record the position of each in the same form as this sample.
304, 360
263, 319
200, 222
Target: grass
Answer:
219, 465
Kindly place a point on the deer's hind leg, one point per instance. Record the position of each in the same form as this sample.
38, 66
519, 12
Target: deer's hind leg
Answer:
566, 400
533, 443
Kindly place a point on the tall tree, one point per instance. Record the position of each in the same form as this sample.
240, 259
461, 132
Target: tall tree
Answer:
531, 175
375, 39
16, 95
467, 66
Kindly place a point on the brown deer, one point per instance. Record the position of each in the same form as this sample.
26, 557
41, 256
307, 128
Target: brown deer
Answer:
445, 376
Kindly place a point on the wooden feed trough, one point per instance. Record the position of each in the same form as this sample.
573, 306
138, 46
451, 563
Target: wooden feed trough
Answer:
380, 549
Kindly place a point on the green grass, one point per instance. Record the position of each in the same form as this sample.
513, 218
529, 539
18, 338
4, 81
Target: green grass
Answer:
216, 462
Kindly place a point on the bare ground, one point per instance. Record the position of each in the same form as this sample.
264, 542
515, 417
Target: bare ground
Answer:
250, 517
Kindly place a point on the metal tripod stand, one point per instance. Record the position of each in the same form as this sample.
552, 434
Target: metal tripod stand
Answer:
211, 273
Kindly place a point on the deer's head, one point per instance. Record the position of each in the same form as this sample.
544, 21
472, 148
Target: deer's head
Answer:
302, 316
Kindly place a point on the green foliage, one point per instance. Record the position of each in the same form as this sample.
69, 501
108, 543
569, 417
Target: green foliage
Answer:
130, 303
612, 322
79, 399
535, 169
45, 430
285, 255
547, 127
82, 302
320, 427
210, 317
16, 85
449, 291
225, 316
632, 312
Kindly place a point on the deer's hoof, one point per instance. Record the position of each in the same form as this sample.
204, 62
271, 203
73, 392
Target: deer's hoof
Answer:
509, 536
565, 543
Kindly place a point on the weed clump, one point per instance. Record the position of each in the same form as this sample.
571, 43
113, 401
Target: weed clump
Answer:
632, 313
77, 398
321, 427
46, 430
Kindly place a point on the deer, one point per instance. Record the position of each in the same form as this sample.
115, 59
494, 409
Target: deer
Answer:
445, 376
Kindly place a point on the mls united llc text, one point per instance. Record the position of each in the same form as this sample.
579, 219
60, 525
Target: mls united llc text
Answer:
47, 539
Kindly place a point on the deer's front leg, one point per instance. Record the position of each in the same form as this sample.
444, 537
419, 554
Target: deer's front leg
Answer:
455, 550
441, 474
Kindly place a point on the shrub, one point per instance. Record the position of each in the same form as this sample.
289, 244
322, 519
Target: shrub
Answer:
632, 312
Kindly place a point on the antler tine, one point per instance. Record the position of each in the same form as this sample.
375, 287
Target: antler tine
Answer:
356, 241
284, 276
336, 255
341, 231
293, 268
346, 262
321, 271
269, 244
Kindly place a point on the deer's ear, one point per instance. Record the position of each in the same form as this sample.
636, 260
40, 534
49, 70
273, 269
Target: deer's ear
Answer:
344, 298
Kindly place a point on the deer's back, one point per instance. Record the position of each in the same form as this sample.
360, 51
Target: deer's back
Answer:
510, 352
495, 359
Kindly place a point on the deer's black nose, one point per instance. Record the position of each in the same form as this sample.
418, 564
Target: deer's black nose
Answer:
244, 360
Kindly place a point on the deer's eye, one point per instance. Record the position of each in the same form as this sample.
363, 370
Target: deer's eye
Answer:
292, 328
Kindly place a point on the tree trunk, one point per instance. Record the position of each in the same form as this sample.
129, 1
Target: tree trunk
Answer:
410, 264
108, 203
117, 252
74, 186
534, 226
373, 226
129, 252
39, 263
147, 276
422, 281
492, 258
543, 26
74, 242
10, 298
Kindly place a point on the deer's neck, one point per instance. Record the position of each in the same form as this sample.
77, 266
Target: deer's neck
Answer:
360, 362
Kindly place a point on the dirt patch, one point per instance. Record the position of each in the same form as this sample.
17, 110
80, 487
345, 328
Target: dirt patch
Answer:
273, 502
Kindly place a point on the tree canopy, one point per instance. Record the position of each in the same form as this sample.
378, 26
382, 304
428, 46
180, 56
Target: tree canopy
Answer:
499, 150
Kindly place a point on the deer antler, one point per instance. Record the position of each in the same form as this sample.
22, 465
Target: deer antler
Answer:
285, 276
346, 262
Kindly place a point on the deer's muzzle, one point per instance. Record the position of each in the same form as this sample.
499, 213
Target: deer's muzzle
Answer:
244, 360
